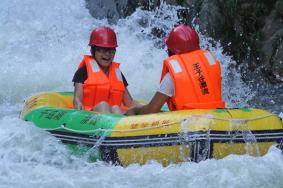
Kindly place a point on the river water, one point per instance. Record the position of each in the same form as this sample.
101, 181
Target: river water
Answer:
42, 43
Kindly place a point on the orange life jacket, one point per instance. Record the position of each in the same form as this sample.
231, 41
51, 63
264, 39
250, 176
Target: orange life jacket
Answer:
98, 87
197, 80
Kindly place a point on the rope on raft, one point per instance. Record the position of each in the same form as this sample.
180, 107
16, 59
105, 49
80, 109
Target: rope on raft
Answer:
234, 120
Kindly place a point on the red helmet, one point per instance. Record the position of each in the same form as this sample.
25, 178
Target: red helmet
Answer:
182, 39
103, 37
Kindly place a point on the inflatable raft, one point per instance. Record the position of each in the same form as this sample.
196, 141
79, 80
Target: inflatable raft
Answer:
167, 137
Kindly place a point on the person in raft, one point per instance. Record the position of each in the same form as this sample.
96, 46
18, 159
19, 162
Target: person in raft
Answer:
190, 79
99, 84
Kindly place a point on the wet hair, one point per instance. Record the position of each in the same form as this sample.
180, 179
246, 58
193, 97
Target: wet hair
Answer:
170, 53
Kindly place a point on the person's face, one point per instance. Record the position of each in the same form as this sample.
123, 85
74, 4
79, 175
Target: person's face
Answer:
104, 56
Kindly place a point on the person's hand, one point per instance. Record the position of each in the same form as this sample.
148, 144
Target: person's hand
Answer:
130, 112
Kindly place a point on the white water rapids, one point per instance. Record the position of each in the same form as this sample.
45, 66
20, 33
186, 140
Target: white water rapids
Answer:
42, 43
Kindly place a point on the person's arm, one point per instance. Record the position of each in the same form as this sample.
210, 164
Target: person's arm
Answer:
78, 96
165, 91
153, 106
128, 100
79, 77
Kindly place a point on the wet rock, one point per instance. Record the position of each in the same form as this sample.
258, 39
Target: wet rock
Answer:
272, 46
106, 9
279, 8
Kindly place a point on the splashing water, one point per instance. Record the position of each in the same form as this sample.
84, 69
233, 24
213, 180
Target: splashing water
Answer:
42, 43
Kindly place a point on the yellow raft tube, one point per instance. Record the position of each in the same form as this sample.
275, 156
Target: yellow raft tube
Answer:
167, 137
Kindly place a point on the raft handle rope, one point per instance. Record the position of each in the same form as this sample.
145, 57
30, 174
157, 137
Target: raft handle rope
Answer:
237, 120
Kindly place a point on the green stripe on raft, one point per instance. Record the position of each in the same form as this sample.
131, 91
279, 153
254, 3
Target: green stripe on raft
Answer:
83, 122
